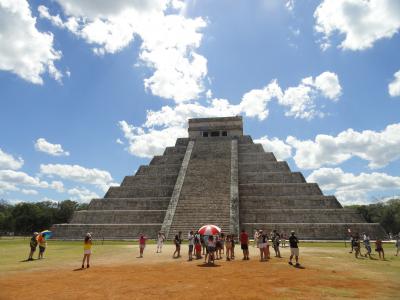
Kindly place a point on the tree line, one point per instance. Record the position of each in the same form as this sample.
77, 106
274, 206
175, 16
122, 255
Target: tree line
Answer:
386, 213
26, 217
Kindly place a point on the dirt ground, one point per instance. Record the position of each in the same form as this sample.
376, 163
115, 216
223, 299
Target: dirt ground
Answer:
158, 276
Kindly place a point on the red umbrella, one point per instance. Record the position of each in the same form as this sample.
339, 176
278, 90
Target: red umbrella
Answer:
209, 230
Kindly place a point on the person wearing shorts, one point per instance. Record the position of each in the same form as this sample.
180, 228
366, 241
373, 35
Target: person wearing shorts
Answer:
142, 244
211, 243
294, 248
244, 244
42, 245
379, 249
33, 244
87, 250
177, 242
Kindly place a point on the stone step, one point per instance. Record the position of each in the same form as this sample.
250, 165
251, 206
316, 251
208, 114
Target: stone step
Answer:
293, 201
118, 216
300, 216
145, 180
133, 192
175, 150
129, 203
271, 177
104, 231
320, 231
279, 166
279, 189
258, 157
250, 148
166, 159
161, 170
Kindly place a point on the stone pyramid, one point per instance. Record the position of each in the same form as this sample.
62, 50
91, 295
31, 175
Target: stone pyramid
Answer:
215, 176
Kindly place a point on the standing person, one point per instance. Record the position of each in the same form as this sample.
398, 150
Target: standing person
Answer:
222, 244
33, 244
233, 242
276, 239
352, 238
228, 246
203, 244
367, 246
244, 244
42, 245
211, 249
256, 235
142, 244
283, 239
218, 247
397, 244
197, 246
160, 241
379, 248
87, 250
261, 244
357, 247
177, 242
294, 248
191, 245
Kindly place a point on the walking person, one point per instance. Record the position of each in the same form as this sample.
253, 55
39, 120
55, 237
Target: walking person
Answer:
233, 242
191, 245
367, 246
397, 244
142, 244
379, 249
244, 244
33, 244
261, 244
211, 249
203, 244
228, 246
256, 235
42, 245
294, 248
197, 246
283, 239
160, 241
177, 242
87, 250
356, 247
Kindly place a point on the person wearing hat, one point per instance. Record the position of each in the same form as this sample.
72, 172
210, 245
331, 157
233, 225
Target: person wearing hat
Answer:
87, 250
33, 244
294, 248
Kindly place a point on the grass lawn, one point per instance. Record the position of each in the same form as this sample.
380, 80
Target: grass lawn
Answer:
329, 272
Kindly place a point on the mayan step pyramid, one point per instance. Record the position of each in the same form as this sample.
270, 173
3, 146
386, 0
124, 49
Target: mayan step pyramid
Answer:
215, 176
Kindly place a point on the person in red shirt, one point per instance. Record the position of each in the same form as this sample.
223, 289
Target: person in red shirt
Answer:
244, 244
142, 244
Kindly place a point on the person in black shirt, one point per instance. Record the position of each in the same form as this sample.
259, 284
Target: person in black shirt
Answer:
294, 249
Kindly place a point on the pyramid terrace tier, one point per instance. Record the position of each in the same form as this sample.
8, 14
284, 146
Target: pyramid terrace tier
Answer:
155, 170
105, 231
320, 231
136, 192
264, 166
286, 202
118, 216
271, 177
300, 216
149, 180
279, 189
152, 203
256, 157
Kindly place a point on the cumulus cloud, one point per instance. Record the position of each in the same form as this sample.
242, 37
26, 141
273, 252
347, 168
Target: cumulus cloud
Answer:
350, 188
169, 40
280, 149
11, 180
394, 86
361, 22
378, 148
82, 194
7, 161
162, 127
100, 178
53, 149
24, 50
29, 192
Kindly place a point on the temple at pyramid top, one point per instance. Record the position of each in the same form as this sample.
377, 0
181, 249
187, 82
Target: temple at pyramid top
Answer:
215, 127
217, 175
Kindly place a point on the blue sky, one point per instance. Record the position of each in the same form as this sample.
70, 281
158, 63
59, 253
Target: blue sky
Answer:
89, 91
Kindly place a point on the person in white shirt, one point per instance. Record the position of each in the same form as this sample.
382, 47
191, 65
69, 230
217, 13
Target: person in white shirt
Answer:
160, 241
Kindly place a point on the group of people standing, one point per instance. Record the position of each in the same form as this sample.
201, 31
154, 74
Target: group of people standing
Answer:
37, 239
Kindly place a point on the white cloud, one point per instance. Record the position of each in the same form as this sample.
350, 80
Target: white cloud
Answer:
289, 5
378, 148
24, 50
7, 161
280, 149
29, 192
361, 22
350, 188
119, 141
82, 194
10, 180
394, 86
53, 149
162, 127
101, 179
169, 41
